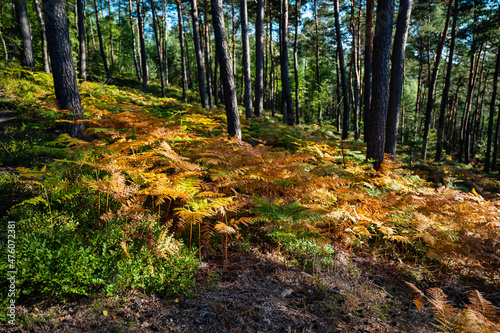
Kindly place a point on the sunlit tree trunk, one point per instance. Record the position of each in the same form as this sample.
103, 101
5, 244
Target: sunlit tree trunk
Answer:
112, 49
397, 76
158, 48
199, 55
246, 59
82, 54
296, 59
45, 54
63, 69
134, 46
144, 60
380, 90
233, 118
208, 57
259, 60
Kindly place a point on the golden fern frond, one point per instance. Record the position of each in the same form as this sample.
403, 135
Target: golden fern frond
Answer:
223, 228
123, 244
445, 313
479, 304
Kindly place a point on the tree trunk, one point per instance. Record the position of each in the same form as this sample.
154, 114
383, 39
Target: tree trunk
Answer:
183, 56
345, 91
285, 80
101, 43
199, 55
144, 60
227, 77
296, 60
246, 59
23, 25
432, 83
188, 63
158, 48
446, 90
63, 69
487, 163
397, 76
316, 53
112, 50
208, 57
368, 66
45, 54
82, 54
259, 60
380, 91
134, 46
354, 71
165, 41
272, 80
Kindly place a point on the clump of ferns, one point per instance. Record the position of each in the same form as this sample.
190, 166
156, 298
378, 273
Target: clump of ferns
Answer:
478, 315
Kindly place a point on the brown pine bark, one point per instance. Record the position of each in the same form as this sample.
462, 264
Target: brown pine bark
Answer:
82, 50
285, 79
296, 60
183, 56
259, 60
487, 163
367, 80
134, 46
246, 59
24, 29
101, 43
45, 54
199, 55
158, 48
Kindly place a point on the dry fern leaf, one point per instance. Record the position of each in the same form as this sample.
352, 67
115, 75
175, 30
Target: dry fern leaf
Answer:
223, 228
479, 304
445, 313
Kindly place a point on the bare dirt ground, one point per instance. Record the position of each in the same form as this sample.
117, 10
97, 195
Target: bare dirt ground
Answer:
254, 292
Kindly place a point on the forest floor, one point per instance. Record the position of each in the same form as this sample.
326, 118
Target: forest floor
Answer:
432, 225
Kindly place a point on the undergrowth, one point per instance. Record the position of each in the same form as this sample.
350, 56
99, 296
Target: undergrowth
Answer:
156, 186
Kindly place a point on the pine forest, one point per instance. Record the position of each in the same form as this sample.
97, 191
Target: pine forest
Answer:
249, 166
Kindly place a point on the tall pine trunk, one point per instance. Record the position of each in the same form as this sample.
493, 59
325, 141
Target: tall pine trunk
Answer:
199, 55
296, 61
487, 163
63, 69
316, 54
259, 60
345, 89
246, 59
101, 43
45, 54
158, 48
380, 91
446, 90
367, 80
183, 56
134, 45
23, 26
432, 83
82, 50
111, 47
285, 80
144, 60
208, 56
227, 77
397, 76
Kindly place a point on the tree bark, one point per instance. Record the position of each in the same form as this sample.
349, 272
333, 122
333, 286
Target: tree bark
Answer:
82, 50
354, 71
285, 80
101, 43
368, 66
259, 60
487, 163
345, 91
144, 60
45, 54
158, 48
432, 83
316, 54
208, 56
112, 50
246, 59
296, 60
380, 91
63, 69
183, 56
397, 76
199, 55
23, 25
227, 77
134, 46
446, 90
165, 41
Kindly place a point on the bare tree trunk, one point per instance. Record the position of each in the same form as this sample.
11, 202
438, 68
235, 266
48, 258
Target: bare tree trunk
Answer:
354, 69
63, 69
188, 62
246, 59
316, 53
259, 60
397, 76
233, 118
82, 54
144, 60
368, 66
165, 41
345, 91
446, 90
432, 83
134, 46
380, 91
101, 43
208, 56
112, 50
158, 48
296, 59
285, 80
487, 163
199, 55
23, 25
45, 54
183, 56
